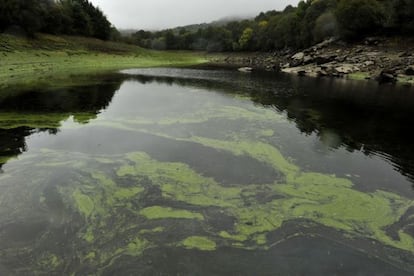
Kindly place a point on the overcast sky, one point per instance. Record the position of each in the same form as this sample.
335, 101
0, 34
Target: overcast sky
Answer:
159, 14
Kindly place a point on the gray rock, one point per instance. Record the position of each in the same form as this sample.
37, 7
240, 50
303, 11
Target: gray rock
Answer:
245, 69
285, 65
302, 73
346, 69
307, 59
405, 54
386, 77
369, 63
296, 62
324, 59
298, 56
409, 71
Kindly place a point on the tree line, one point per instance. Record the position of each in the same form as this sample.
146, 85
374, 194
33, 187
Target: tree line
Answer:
308, 23
71, 17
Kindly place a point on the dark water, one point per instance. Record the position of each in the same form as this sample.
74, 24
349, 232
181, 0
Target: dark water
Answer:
207, 172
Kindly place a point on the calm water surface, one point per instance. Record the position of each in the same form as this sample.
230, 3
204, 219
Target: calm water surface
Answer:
207, 172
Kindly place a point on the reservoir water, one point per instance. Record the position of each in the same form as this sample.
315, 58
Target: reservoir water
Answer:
207, 172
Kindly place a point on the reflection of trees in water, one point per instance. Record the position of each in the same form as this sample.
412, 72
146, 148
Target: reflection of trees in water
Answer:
361, 116
355, 115
81, 102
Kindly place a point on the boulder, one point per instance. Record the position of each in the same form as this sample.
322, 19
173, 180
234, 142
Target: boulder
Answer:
284, 65
386, 77
298, 56
301, 73
321, 73
369, 63
405, 54
307, 59
346, 69
324, 59
409, 71
296, 62
245, 69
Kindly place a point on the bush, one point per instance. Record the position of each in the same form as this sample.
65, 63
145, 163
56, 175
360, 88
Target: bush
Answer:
358, 18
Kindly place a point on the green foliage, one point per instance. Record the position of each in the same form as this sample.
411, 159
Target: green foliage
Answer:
358, 18
310, 22
325, 26
75, 17
246, 38
403, 16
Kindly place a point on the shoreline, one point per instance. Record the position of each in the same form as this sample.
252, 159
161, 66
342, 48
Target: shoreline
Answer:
49, 59
382, 59
55, 58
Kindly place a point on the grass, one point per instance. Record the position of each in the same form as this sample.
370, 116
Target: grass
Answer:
46, 58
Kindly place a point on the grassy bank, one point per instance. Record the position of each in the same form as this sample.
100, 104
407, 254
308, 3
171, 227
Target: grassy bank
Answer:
28, 61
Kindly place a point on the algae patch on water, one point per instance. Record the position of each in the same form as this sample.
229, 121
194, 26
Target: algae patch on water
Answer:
158, 212
200, 243
116, 207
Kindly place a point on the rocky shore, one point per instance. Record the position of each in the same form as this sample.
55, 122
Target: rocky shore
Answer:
381, 59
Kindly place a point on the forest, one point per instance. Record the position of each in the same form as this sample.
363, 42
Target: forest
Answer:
69, 17
310, 22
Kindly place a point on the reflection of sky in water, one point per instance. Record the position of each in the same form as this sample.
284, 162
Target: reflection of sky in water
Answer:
81, 178
150, 103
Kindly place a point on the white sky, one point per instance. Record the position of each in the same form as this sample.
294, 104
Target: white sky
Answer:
160, 14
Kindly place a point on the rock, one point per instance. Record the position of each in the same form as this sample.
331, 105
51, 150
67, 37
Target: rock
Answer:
307, 59
320, 72
341, 58
409, 71
302, 73
298, 56
346, 69
285, 65
386, 77
245, 69
323, 44
296, 62
369, 63
405, 54
324, 59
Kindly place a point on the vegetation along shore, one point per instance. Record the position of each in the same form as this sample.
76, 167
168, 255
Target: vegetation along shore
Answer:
358, 39
26, 61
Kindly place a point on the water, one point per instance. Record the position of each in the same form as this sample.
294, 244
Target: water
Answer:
207, 172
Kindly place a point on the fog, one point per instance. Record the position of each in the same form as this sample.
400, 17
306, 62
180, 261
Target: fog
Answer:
160, 14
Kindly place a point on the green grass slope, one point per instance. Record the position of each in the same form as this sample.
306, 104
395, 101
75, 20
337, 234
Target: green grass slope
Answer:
24, 61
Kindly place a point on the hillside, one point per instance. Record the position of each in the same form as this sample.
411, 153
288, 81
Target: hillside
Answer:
35, 60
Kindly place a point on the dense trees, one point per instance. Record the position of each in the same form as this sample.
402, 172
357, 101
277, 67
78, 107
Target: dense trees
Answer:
73, 17
295, 27
360, 17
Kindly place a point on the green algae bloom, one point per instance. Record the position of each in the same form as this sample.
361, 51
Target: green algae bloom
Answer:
200, 243
118, 206
158, 212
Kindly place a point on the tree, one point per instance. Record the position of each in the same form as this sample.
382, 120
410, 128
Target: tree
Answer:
403, 16
357, 18
245, 39
326, 26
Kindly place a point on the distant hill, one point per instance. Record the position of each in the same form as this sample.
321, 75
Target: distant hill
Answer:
217, 23
194, 27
